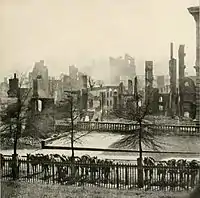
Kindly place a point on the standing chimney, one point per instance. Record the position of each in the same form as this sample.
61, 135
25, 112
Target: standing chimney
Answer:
115, 99
35, 88
181, 56
130, 87
173, 77
171, 51
84, 81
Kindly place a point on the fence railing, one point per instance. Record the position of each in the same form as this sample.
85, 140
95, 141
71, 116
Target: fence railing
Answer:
127, 127
114, 175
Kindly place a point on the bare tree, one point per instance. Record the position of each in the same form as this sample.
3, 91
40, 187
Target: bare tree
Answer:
14, 115
74, 113
143, 134
18, 121
40, 124
13, 119
136, 112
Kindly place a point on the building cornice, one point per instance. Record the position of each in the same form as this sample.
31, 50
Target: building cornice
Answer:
194, 11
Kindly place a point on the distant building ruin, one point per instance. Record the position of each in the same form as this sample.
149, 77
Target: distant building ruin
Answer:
122, 69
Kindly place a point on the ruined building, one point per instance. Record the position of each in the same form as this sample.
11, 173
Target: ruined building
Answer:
41, 70
163, 83
39, 103
181, 55
194, 11
148, 80
4, 86
173, 86
149, 84
186, 94
13, 87
181, 98
122, 69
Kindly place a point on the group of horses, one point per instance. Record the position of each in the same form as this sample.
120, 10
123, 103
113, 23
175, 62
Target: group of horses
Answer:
173, 171
65, 168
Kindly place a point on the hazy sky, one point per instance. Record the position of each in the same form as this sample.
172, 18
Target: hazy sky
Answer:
64, 32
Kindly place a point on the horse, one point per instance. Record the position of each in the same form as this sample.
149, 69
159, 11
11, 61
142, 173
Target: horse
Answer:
39, 159
93, 167
107, 169
172, 170
182, 166
193, 171
149, 162
162, 170
85, 160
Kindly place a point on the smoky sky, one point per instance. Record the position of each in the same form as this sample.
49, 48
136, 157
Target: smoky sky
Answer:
87, 32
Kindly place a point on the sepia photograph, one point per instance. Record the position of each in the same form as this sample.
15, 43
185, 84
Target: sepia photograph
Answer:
100, 98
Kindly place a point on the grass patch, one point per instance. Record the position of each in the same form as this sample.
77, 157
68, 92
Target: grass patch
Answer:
10, 189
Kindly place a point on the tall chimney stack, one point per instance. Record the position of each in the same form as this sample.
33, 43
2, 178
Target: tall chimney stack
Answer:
130, 87
84, 81
171, 51
173, 77
181, 56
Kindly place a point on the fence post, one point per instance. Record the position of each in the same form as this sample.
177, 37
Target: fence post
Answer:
117, 172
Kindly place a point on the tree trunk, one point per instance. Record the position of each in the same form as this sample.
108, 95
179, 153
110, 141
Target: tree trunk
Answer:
17, 132
72, 157
72, 130
140, 140
139, 160
72, 143
15, 143
15, 167
72, 140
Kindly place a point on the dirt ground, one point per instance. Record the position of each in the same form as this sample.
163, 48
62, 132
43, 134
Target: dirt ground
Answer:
28, 190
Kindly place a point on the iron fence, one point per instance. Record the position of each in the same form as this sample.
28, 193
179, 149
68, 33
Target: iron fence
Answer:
114, 175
